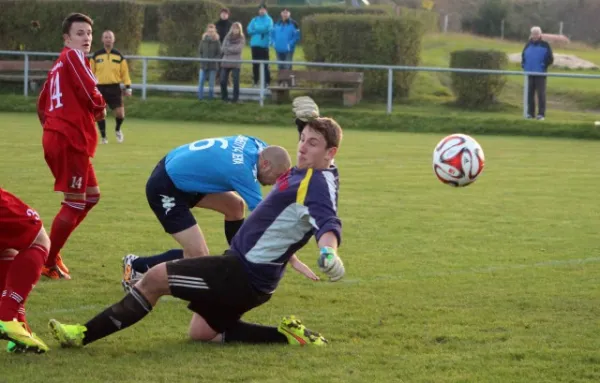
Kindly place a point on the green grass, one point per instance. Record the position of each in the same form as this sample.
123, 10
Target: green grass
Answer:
564, 94
497, 282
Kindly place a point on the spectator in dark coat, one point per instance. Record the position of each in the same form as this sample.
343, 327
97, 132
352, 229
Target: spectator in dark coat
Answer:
210, 48
224, 24
537, 56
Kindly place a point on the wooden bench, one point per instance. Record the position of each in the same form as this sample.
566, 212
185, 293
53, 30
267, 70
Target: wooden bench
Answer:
12, 71
349, 84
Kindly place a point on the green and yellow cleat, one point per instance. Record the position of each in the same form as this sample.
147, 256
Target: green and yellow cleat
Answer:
20, 340
298, 334
67, 335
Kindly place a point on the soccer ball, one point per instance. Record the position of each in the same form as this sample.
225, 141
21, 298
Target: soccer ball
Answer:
458, 160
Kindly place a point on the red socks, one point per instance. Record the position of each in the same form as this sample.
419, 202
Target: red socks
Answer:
63, 225
24, 272
71, 214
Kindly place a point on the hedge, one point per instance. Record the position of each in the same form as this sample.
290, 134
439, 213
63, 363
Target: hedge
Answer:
151, 21
245, 13
383, 40
180, 32
186, 109
18, 32
477, 90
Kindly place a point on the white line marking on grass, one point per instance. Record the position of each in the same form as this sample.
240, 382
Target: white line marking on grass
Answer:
98, 307
484, 270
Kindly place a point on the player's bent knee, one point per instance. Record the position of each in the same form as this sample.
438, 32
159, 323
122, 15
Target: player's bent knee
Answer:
154, 284
42, 239
200, 331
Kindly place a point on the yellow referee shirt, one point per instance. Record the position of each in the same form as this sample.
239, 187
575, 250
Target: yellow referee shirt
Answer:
110, 67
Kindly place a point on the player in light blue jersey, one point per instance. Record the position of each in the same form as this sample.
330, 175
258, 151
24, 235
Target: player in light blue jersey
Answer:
221, 289
206, 174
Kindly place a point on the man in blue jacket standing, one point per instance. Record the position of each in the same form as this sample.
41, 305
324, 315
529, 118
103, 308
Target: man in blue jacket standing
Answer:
286, 34
537, 56
259, 30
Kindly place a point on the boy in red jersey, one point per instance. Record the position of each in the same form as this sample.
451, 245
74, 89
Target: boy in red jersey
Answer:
24, 247
68, 108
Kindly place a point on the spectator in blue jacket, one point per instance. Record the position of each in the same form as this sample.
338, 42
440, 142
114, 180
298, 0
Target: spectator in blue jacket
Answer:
285, 36
537, 56
259, 30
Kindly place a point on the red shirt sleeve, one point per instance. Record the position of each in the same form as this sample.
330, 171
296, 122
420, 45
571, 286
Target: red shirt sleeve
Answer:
42, 102
84, 80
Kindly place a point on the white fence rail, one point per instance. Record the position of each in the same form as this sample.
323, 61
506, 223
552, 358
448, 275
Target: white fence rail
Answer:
262, 91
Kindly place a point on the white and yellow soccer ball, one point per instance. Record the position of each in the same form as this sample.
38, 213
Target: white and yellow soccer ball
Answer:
458, 160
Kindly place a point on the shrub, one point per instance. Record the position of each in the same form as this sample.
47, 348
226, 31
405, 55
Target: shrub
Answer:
477, 90
181, 26
17, 30
385, 40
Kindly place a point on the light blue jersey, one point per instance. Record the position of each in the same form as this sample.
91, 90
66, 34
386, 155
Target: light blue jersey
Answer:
217, 165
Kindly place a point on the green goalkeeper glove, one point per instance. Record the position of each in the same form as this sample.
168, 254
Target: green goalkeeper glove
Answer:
331, 264
305, 108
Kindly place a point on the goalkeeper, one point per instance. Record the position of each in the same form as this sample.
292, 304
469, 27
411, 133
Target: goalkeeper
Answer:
220, 289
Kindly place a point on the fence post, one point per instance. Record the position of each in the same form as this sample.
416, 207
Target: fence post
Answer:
560, 28
144, 77
262, 84
525, 93
446, 16
390, 93
26, 76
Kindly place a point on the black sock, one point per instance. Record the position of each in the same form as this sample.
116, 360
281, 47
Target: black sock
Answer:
119, 122
119, 316
102, 128
143, 264
245, 332
231, 228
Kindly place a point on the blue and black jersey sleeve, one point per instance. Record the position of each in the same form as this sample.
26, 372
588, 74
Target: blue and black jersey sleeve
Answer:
321, 200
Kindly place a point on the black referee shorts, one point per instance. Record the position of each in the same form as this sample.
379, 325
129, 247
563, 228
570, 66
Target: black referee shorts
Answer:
112, 94
217, 288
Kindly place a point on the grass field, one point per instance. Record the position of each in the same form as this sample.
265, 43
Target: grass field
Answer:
497, 282
434, 88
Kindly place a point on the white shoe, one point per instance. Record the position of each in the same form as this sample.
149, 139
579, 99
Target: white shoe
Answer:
105, 140
120, 136
130, 276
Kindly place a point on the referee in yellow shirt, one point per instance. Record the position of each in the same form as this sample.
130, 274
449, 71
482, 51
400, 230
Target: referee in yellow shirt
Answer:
111, 70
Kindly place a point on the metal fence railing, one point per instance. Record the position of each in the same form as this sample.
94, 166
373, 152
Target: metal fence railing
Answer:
144, 86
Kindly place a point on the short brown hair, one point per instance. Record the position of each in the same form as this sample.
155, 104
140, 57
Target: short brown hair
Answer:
75, 18
329, 129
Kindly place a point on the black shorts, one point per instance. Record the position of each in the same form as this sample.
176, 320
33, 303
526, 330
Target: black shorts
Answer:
112, 95
170, 205
217, 288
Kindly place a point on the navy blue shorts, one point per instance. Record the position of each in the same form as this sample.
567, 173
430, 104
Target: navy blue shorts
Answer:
170, 205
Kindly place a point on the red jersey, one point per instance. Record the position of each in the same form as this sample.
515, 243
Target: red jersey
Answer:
70, 100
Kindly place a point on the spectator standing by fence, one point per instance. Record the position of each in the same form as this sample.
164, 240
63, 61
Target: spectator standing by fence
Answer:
210, 48
259, 30
285, 36
233, 44
537, 56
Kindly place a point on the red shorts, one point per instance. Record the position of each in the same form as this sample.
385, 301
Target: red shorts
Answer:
19, 224
73, 171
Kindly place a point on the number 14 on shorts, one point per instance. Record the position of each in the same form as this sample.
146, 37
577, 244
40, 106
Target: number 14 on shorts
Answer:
76, 182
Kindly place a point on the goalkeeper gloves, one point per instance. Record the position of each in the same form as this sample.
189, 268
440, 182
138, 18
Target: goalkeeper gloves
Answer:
305, 108
331, 264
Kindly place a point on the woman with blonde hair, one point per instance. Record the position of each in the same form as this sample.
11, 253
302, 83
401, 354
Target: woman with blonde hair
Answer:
210, 48
233, 44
